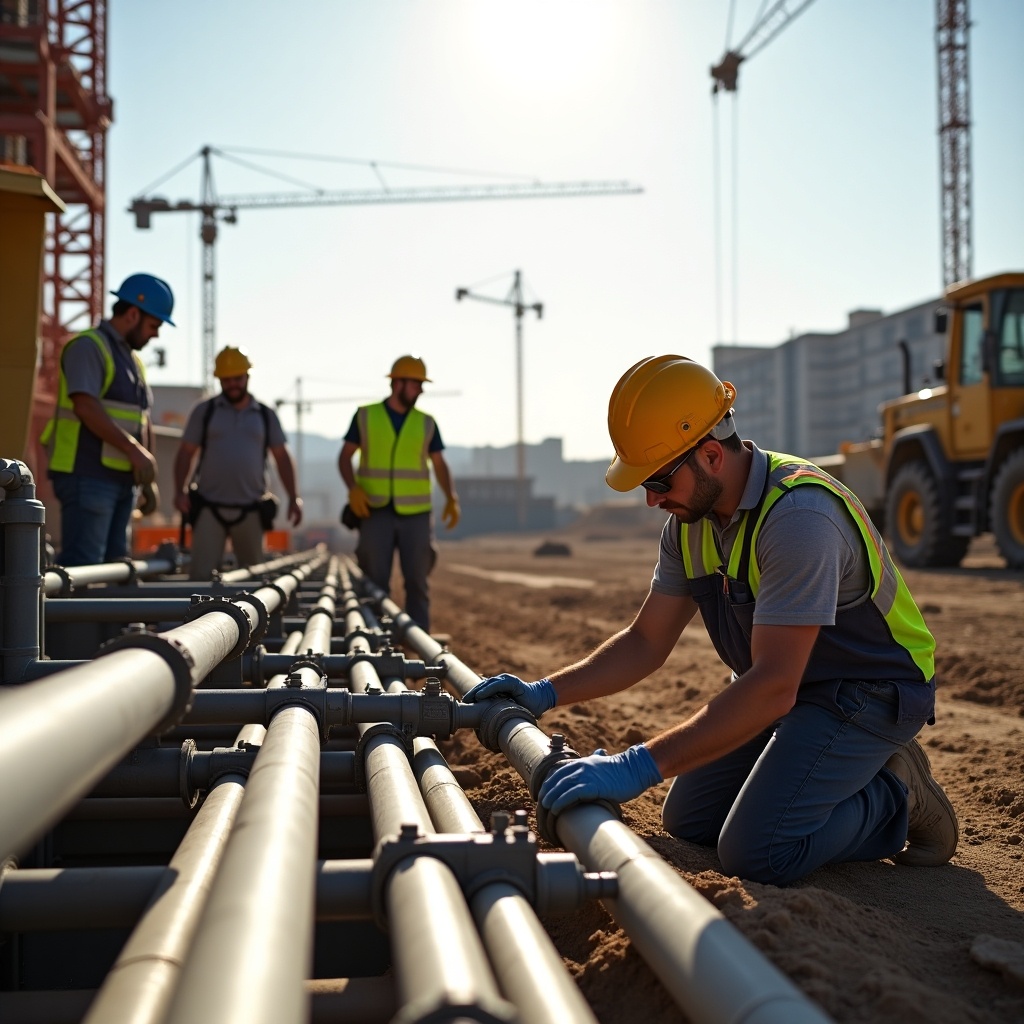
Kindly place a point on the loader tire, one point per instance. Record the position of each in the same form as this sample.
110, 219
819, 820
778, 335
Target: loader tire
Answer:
917, 522
1007, 510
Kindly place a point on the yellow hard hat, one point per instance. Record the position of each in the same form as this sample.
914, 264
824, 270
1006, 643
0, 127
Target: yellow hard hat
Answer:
231, 362
410, 367
660, 408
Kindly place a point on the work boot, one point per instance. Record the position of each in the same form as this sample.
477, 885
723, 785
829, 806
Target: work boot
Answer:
932, 829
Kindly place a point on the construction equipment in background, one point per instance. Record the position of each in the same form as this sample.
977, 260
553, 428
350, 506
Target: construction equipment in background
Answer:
224, 209
952, 24
950, 462
514, 299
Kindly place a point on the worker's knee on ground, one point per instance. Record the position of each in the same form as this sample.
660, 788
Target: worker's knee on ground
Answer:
743, 855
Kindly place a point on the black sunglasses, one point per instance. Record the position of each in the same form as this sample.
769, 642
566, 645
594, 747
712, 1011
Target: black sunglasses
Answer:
661, 483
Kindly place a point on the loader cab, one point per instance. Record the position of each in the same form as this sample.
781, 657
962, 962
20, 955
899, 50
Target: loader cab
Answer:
985, 361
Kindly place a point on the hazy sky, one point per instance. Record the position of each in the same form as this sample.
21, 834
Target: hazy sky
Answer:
837, 191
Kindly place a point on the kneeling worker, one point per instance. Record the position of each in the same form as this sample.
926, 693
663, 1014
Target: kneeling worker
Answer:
808, 757
232, 433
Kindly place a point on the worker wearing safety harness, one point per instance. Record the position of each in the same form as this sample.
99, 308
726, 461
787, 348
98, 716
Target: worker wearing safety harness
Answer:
99, 441
389, 494
808, 757
220, 471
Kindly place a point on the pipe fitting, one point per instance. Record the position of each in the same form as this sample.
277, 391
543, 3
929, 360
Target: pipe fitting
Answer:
262, 617
494, 718
178, 658
507, 855
203, 605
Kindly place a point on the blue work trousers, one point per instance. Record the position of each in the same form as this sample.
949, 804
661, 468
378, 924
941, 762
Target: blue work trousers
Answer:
383, 533
94, 517
811, 790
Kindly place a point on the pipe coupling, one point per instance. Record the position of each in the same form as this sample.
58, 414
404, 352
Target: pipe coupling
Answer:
204, 605
262, 617
179, 660
495, 717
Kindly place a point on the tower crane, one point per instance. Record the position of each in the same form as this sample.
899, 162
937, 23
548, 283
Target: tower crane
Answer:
217, 209
952, 24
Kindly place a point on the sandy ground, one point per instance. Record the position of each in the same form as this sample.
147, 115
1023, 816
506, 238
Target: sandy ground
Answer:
871, 942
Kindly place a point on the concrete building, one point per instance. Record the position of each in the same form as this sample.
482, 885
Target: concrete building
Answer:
811, 393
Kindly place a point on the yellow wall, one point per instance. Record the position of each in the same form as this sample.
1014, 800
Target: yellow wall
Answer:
25, 199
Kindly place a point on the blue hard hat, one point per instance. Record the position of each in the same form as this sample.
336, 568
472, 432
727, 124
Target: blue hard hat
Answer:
151, 294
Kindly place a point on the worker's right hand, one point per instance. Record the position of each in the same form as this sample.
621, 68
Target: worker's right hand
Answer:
183, 503
143, 464
359, 501
536, 697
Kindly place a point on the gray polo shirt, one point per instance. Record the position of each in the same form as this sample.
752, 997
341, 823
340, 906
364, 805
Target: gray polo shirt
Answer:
233, 467
809, 550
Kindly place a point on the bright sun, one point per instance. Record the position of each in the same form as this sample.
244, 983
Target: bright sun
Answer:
543, 45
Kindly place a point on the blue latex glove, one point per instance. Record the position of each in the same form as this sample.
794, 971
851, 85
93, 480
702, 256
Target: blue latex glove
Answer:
536, 697
619, 777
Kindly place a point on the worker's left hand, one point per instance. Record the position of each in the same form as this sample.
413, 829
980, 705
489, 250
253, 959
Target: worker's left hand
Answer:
295, 511
619, 777
149, 499
452, 513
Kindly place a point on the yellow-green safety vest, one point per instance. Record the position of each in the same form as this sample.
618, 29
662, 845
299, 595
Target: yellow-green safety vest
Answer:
889, 594
395, 467
61, 433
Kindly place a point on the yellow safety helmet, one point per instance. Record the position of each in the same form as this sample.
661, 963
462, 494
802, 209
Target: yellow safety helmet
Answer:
231, 362
411, 368
660, 408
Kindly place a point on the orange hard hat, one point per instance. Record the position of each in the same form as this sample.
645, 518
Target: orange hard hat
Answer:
661, 407
410, 367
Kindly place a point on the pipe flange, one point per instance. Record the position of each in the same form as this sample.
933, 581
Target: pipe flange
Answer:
380, 729
320, 610
67, 584
205, 605
495, 717
262, 617
189, 793
133, 573
178, 658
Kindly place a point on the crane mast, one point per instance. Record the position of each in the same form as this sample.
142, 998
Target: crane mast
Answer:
224, 209
952, 23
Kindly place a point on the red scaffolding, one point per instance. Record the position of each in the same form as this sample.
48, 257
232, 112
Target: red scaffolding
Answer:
54, 115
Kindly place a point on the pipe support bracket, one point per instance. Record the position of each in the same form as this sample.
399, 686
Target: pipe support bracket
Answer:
551, 883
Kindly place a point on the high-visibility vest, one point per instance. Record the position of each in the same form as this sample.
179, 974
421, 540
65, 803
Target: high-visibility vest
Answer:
394, 467
61, 434
860, 644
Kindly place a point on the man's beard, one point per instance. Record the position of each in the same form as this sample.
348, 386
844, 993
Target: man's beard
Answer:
135, 340
706, 491
235, 395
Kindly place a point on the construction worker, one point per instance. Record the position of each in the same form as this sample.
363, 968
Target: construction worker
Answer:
390, 492
226, 495
99, 441
808, 757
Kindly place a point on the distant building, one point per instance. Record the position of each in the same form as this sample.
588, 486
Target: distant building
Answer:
813, 392
491, 505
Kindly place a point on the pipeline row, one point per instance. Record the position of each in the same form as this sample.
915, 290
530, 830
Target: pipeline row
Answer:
253, 719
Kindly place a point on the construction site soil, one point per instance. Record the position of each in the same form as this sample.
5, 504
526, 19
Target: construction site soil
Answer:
874, 942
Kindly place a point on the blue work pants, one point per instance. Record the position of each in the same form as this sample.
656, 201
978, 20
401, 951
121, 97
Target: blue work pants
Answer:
94, 517
383, 533
811, 790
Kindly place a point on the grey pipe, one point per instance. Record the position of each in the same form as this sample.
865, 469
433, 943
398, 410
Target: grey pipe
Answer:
55, 899
114, 701
113, 609
708, 966
21, 522
250, 957
139, 986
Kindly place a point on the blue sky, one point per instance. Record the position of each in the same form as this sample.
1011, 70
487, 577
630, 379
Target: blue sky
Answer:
837, 190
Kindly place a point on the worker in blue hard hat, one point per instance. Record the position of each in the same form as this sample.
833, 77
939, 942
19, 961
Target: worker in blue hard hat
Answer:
99, 440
